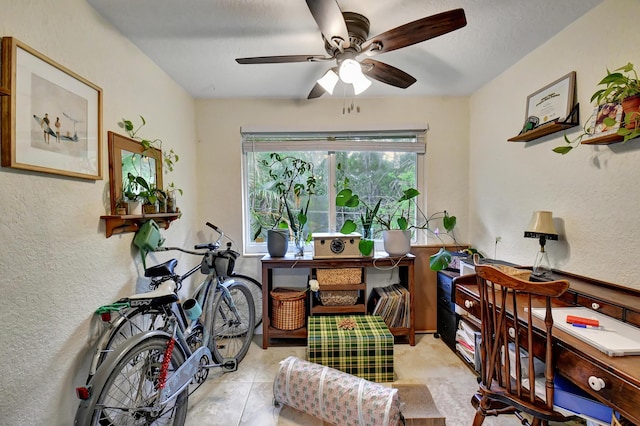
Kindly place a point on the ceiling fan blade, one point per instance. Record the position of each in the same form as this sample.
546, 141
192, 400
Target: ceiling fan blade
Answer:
316, 92
328, 16
416, 32
282, 59
386, 73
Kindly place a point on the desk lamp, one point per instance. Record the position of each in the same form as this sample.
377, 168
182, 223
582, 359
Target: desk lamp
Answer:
541, 227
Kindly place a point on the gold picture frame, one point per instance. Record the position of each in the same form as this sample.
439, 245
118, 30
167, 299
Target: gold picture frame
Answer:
122, 152
553, 102
51, 117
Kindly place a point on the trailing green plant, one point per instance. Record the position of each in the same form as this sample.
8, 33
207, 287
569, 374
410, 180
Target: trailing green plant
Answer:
619, 85
168, 158
398, 218
587, 131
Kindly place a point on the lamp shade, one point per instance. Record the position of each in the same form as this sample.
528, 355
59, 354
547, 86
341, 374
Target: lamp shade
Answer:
329, 81
541, 225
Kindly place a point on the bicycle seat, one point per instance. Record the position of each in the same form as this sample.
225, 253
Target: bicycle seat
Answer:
163, 295
162, 269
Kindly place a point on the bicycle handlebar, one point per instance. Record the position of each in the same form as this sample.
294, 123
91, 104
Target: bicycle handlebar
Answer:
206, 246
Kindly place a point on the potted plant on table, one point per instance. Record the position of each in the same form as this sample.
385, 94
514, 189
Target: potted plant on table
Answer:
396, 226
294, 183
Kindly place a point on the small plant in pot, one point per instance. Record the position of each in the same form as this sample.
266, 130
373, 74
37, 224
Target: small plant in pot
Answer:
395, 224
171, 192
150, 196
620, 86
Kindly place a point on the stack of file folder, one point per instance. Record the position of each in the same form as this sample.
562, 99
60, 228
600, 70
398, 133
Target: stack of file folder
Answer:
468, 344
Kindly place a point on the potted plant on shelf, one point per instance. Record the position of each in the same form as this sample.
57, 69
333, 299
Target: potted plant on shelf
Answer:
150, 196
395, 224
621, 86
171, 192
294, 183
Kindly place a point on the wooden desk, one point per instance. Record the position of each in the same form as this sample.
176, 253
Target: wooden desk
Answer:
575, 359
406, 273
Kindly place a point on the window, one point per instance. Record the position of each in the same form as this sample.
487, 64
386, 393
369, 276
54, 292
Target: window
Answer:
375, 164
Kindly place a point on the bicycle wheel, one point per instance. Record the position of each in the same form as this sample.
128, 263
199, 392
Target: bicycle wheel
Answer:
232, 324
129, 394
256, 292
133, 322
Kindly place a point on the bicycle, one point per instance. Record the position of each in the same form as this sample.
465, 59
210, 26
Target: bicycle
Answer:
131, 321
146, 378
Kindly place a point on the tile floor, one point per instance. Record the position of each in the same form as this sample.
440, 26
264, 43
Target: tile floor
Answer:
245, 397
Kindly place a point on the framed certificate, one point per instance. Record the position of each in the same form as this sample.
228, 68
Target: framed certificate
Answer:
553, 102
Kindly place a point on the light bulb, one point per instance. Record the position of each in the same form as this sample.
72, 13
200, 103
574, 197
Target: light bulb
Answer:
361, 84
349, 70
329, 81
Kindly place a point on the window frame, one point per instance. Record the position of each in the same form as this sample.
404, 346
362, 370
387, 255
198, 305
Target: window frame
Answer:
329, 142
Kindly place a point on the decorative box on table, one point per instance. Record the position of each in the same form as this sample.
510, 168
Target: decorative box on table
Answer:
365, 351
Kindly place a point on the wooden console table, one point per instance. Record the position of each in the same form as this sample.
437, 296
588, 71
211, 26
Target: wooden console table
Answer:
575, 359
406, 273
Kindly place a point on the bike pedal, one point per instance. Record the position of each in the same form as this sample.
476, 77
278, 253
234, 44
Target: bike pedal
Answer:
229, 364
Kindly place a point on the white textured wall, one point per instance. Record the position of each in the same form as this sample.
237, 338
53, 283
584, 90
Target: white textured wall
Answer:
592, 191
220, 156
56, 266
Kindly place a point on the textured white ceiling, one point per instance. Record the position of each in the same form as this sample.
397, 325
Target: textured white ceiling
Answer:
196, 42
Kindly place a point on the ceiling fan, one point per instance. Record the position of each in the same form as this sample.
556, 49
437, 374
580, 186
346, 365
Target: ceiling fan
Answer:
345, 37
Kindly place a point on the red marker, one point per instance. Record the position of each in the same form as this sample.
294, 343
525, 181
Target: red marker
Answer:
571, 319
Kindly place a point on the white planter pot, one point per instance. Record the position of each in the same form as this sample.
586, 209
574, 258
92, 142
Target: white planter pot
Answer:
396, 242
135, 207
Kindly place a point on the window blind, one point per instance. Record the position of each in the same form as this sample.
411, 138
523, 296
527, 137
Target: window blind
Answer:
383, 140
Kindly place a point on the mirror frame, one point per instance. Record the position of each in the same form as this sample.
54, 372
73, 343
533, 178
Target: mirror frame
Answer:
117, 144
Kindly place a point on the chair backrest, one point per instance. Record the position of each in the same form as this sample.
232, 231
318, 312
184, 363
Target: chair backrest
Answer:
511, 357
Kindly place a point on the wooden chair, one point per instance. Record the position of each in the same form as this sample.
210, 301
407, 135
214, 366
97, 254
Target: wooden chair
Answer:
502, 389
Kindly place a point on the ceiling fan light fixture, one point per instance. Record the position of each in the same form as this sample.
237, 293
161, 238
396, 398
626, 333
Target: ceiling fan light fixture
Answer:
361, 84
349, 71
328, 81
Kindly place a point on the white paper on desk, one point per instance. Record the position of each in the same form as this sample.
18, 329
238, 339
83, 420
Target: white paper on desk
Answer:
616, 339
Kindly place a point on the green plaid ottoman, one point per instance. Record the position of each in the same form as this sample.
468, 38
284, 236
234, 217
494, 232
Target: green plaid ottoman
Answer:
366, 351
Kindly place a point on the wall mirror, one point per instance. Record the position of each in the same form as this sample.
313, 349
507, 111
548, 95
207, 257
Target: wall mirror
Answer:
126, 156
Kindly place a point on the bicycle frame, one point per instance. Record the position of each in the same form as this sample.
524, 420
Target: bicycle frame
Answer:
179, 329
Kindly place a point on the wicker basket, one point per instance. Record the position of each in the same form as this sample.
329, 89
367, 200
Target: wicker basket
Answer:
287, 308
339, 276
339, 298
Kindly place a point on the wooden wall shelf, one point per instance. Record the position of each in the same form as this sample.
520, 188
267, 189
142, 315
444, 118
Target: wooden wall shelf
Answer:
603, 140
572, 120
119, 224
